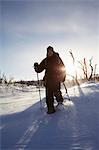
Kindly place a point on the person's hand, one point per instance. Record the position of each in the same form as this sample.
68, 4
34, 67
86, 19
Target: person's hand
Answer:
36, 66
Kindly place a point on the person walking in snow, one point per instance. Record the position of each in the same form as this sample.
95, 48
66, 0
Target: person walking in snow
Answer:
54, 74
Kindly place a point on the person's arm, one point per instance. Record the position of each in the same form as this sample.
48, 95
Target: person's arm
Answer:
40, 67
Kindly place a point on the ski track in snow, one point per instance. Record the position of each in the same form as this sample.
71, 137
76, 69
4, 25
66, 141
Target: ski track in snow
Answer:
23, 125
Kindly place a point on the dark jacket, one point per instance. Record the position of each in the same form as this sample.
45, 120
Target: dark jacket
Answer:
54, 68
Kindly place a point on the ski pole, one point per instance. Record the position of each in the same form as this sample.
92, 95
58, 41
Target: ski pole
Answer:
39, 91
66, 91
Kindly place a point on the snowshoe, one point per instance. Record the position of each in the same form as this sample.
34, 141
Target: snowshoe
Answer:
59, 105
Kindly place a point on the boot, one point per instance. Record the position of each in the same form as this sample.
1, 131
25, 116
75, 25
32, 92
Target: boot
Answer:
51, 110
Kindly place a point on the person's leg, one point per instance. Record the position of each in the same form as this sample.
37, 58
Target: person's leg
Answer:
50, 99
57, 93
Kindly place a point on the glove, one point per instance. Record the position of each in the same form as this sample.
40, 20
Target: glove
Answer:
36, 66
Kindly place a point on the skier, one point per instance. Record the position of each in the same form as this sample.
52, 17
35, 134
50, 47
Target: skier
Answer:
54, 74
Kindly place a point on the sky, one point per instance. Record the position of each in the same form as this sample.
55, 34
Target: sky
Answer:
28, 27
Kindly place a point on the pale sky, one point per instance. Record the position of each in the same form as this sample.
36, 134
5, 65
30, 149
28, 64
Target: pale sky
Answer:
28, 27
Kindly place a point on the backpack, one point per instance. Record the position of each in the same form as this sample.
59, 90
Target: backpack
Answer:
61, 71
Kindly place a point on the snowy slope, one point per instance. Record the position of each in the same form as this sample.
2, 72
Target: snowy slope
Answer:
25, 126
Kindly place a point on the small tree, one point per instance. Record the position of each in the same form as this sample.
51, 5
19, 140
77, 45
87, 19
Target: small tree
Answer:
76, 78
90, 64
95, 71
0, 78
4, 79
84, 68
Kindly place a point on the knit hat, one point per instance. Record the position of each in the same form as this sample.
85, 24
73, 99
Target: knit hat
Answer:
50, 48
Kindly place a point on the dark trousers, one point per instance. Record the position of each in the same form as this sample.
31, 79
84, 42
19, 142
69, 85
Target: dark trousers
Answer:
51, 91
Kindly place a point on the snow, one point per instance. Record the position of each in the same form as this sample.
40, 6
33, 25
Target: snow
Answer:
24, 125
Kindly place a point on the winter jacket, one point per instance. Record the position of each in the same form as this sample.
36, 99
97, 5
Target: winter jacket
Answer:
54, 68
